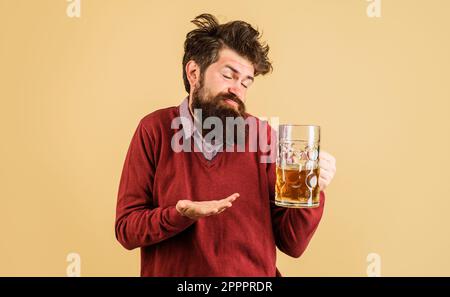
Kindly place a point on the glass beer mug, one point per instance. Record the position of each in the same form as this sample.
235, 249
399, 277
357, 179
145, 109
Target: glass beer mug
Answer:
297, 172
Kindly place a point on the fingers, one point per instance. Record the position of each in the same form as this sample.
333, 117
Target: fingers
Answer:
325, 178
327, 168
222, 210
330, 161
327, 163
327, 158
226, 202
231, 198
198, 209
323, 155
206, 212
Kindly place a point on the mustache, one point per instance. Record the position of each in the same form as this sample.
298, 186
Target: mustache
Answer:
229, 96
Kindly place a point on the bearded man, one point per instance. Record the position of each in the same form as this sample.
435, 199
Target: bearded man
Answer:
209, 210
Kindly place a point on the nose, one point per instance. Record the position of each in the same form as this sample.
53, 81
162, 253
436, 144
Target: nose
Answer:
237, 92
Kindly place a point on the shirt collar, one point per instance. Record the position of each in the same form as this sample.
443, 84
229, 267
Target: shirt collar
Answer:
186, 116
190, 129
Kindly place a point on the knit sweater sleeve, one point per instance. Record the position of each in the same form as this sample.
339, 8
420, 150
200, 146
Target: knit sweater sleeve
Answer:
138, 222
293, 228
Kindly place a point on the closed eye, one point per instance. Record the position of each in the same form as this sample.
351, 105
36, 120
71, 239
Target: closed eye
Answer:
227, 77
247, 83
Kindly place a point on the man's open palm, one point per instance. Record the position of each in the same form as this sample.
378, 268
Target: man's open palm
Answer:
199, 209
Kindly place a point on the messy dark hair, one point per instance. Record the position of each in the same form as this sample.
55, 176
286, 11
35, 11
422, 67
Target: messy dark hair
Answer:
204, 43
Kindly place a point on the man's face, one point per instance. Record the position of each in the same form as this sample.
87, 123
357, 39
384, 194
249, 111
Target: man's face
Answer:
222, 88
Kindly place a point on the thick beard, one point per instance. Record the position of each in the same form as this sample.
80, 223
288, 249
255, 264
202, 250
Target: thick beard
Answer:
217, 107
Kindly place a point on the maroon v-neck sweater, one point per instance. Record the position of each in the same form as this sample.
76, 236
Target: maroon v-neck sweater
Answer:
241, 241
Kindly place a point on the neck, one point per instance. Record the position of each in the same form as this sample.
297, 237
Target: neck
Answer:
190, 105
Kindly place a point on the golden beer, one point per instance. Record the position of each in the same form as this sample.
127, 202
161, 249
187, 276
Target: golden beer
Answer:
297, 171
297, 187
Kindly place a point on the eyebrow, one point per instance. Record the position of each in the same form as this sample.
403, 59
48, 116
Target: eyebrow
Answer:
236, 71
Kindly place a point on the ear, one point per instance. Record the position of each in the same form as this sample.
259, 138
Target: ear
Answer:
192, 73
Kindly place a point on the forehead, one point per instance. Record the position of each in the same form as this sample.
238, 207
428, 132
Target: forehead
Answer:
233, 59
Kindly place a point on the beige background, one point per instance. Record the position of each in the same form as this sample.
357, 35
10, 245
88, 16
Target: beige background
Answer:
73, 90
